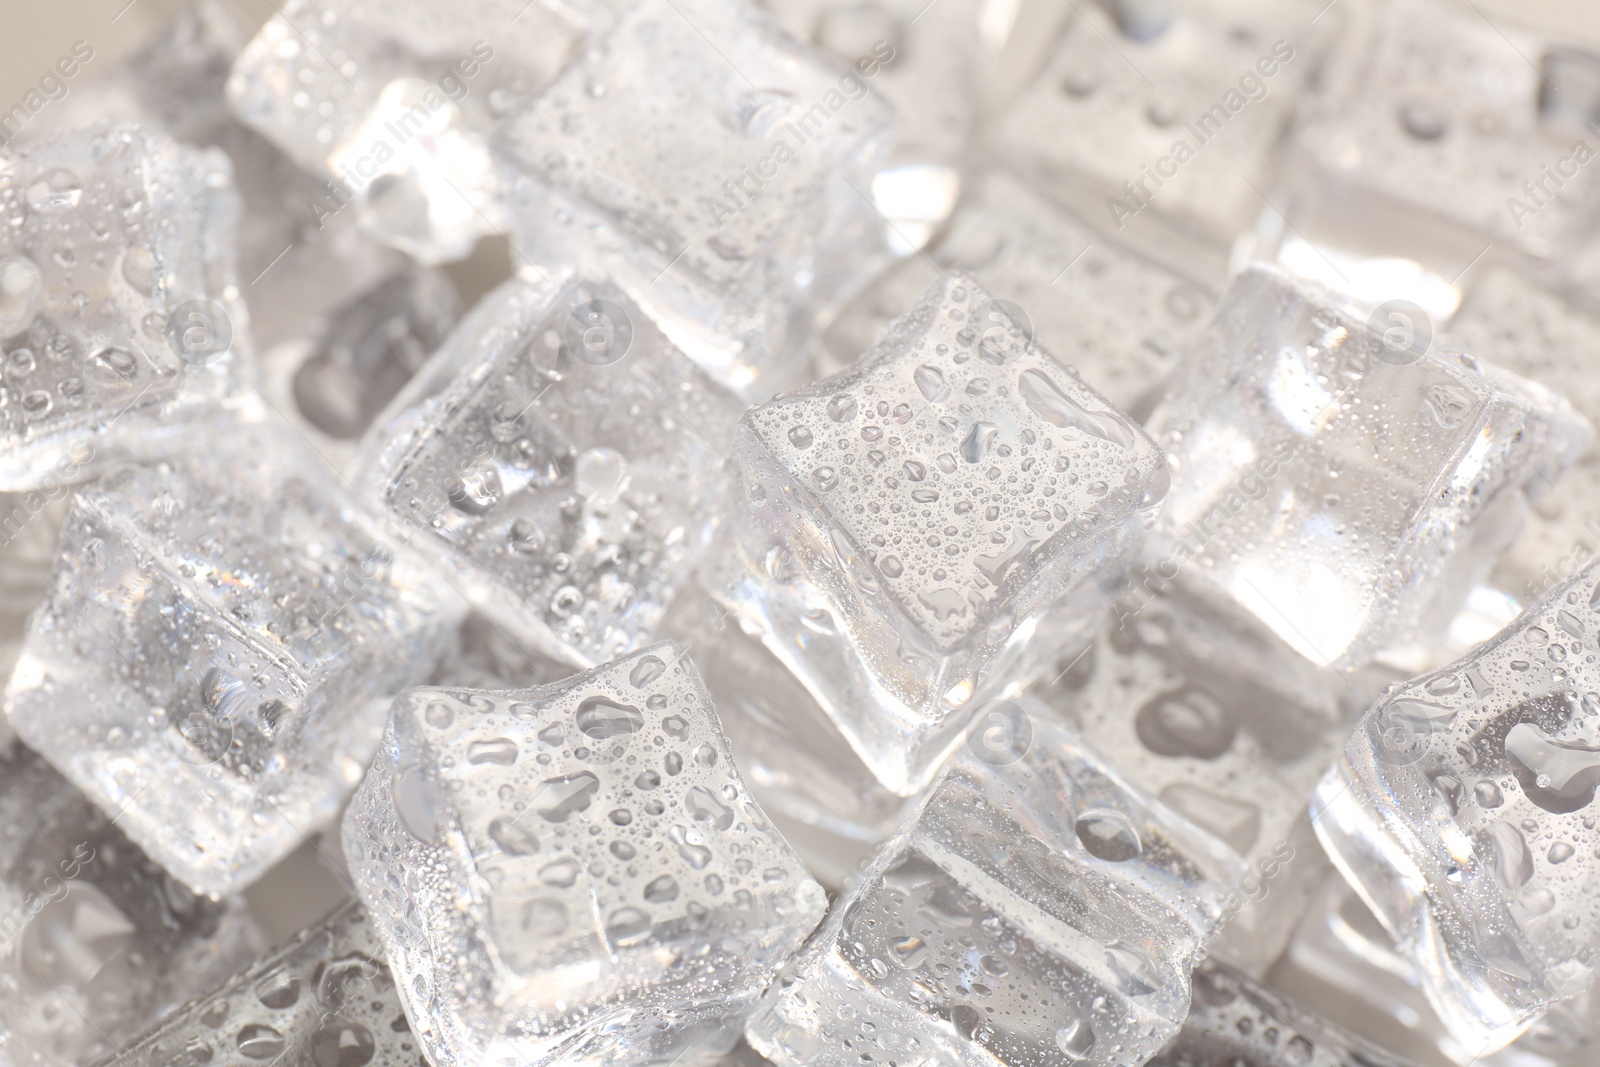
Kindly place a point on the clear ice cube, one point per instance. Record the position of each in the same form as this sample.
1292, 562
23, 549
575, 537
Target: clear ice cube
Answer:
564, 458
326, 998
1346, 490
97, 939
120, 322
1462, 810
1232, 1020
1170, 140
904, 532
221, 634
574, 873
718, 170
392, 101
1533, 331
1036, 910
1440, 132
1118, 319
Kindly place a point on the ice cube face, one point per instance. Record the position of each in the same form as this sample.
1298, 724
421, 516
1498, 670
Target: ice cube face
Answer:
558, 872
719, 171
1036, 910
1118, 319
99, 940
1345, 490
903, 529
1462, 810
393, 102
325, 997
1430, 141
1234, 1020
564, 458
119, 314
1535, 332
220, 637
1166, 139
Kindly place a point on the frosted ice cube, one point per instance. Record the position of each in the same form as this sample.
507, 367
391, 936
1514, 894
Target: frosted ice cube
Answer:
805, 775
1120, 320
1533, 331
335, 383
715, 168
325, 998
1441, 132
211, 662
575, 872
97, 939
393, 102
1169, 139
1461, 810
1238, 756
903, 529
1234, 1020
1035, 910
120, 321
564, 458
1346, 490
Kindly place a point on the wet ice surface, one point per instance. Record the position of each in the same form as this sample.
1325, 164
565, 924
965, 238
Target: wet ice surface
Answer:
97, 939
563, 459
1347, 493
717, 170
325, 998
904, 527
560, 873
1036, 910
218, 642
1461, 810
119, 318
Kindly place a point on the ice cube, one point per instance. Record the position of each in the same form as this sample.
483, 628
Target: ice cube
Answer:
221, 634
392, 101
1533, 331
564, 458
1347, 489
325, 998
799, 767
1169, 134
1441, 133
1237, 753
98, 940
1460, 811
718, 170
1234, 1020
1118, 319
574, 872
901, 531
336, 382
120, 322
1035, 910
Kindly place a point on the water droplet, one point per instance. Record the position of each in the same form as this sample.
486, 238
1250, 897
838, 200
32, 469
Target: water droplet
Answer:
600, 475
1186, 722
561, 874
826, 478
477, 492
559, 798
55, 191
930, 382
842, 408
279, 990
498, 750
21, 285
258, 1042
339, 1043
1423, 121
978, 442
627, 927
1513, 863
758, 114
1136, 973
512, 838
891, 566
661, 890
1560, 852
909, 952
705, 807
1048, 401
800, 436
1075, 1040
1557, 776
1108, 835
602, 718
414, 804
647, 670
1487, 794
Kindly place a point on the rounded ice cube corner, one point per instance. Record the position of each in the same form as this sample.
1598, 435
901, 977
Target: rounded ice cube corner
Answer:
557, 872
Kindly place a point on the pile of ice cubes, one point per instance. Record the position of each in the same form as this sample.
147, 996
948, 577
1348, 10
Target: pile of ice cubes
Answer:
952, 534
